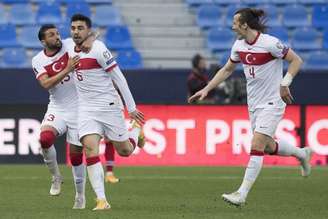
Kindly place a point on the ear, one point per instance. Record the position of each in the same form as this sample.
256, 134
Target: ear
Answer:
244, 26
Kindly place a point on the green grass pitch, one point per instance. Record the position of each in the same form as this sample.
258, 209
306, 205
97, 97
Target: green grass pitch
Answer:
168, 193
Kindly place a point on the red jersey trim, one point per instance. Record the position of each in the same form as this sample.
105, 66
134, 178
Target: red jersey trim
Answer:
111, 68
88, 63
254, 41
234, 61
248, 58
39, 75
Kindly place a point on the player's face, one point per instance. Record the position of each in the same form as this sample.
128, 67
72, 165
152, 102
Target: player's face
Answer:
79, 31
202, 65
239, 29
52, 39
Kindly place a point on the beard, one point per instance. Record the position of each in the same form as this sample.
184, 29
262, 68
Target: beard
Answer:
58, 45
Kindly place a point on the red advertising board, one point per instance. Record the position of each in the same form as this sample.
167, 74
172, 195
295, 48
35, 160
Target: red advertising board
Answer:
212, 135
317, 132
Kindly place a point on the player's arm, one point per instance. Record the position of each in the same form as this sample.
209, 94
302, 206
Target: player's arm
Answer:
219, 77
295, 63
87, 43
123, 87
49, 82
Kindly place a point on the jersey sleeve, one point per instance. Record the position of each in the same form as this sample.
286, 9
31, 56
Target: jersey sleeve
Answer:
38, 68
234, 56
105, 57
277, 48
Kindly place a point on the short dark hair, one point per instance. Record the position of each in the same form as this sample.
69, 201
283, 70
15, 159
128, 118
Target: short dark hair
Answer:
81, 17
195, 60
254, 18
43, 30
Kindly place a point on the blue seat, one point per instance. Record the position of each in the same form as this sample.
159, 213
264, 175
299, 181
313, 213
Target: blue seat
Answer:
280, 32
118, 38
22, 14
80, 8
320, 16
14, 58
3, 16
317, 61
283, 2
196, 3
306, 39
325, 39
14, 1
71, 1
130, 59
106, 15
209, 16
220, 39
273, 19
253, 2
8, 36
227, 2
295, 16
100, 1
231, 10
28, 37
64, 30
49, 12
310, 2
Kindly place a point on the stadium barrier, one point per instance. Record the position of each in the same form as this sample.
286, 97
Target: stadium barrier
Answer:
178, 135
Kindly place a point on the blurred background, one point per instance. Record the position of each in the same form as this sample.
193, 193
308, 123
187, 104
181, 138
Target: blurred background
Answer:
155, 43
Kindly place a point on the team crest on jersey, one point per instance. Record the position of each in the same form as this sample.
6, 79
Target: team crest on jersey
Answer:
107, 55
279, 45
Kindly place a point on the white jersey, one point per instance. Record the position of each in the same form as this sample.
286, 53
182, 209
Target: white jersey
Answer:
63, 95
94, 77
263, 68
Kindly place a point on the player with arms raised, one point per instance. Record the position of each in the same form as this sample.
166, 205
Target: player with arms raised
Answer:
267, 93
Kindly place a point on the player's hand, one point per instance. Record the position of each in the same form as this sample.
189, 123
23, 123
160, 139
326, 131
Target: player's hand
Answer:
87, 44
285, 95
200, 95
72, 63
138, 117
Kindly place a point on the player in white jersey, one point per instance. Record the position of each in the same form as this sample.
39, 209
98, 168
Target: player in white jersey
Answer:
267, 92
100, 108
53, 69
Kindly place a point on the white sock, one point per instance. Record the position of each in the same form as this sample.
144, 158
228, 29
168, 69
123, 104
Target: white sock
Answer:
252, 171
79, 173
134, 134
96, 177
50, 159
286, 149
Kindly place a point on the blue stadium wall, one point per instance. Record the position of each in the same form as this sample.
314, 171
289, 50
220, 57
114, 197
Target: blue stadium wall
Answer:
152, 87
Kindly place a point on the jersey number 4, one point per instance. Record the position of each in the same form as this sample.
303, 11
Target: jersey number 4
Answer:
252, 72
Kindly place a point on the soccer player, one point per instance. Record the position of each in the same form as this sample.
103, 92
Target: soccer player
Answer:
267, 93
53, 69
100, 109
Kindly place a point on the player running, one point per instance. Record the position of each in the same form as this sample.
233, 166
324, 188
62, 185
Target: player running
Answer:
267, 93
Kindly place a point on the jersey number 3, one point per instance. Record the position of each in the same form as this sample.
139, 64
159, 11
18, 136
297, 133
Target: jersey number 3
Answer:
252, 72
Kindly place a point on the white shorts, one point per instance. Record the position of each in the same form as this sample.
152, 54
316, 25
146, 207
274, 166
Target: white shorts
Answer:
110, 124
63, 122
266, 120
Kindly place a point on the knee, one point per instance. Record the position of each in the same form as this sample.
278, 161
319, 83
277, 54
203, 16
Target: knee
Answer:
47, 138
76, 158
125, 152
258, 145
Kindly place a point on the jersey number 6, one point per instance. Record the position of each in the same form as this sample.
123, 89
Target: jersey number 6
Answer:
79, 75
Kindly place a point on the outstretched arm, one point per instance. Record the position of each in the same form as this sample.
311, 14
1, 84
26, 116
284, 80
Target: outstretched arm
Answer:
219, 77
